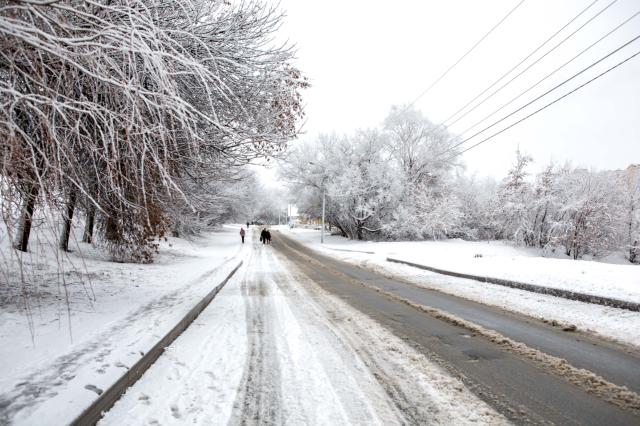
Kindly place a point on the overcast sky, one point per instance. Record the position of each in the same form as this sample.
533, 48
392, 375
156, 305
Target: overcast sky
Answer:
362, 57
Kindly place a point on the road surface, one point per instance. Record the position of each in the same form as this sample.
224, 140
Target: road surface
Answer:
299, 338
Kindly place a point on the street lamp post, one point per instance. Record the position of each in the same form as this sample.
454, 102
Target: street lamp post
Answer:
323, 202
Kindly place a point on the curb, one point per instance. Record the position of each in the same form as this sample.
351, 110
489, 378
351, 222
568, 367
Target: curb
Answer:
566, 294
92, 414
350, 251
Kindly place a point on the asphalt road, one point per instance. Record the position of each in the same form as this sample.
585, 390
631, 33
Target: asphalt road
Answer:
523, 391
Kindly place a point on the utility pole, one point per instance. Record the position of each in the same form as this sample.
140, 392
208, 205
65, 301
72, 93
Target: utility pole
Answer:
323, 202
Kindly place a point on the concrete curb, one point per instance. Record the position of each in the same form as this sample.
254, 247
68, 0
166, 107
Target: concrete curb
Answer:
566, 294
350, 251
92, 414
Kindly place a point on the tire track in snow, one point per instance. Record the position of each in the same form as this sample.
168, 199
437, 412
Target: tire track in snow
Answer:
393, 384
259, 400
355, 387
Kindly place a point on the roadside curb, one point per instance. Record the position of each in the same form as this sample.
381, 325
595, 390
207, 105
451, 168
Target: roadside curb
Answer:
350, 251
566, 294
92, 414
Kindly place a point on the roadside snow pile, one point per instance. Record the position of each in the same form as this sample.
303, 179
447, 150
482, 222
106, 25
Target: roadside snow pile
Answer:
77, 321
499, 260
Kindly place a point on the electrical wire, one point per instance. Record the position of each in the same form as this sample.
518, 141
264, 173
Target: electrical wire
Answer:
533, 63
544, 94
551, 73
444, 74
544, 107
571, 21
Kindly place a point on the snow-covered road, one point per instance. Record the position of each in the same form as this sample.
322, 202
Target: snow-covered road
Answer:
274, 348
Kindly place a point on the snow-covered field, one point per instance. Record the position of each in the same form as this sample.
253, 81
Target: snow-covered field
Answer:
87, 319
501, 260
273, 348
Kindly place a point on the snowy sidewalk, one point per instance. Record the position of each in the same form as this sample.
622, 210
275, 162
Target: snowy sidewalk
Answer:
274, 348
56, 378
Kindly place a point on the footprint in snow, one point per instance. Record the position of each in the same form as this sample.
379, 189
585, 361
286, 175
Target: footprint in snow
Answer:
94, 389
145, 399
175, 412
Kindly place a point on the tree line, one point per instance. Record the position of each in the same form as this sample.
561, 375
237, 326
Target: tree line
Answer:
139, 115
404, 181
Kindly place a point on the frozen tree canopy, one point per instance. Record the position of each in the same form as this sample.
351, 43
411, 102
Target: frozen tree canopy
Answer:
136, 111
400, 182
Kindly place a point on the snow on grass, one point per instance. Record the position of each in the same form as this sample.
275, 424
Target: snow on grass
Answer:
611, 323
86, 319
498, 259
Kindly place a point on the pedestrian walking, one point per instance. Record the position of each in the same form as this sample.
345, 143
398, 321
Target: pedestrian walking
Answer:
242, 234
268, 235
263, 236
247, 225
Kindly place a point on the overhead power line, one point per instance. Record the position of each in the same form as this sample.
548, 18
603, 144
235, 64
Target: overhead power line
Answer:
545, 93
557, 45
444, 74
551, 73
545, 106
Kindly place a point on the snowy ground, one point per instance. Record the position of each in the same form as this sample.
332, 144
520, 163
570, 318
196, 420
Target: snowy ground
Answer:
58, 355
274, 348
503, 261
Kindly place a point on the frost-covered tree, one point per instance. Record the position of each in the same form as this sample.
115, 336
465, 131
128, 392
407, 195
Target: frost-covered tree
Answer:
418, 146
420, 153
353, 173
475, 197
585, 222
510, 211
543, 205
393, 183
629, 185
125, 107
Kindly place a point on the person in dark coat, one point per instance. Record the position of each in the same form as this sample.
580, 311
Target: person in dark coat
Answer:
242, 234
263, 236
268, 235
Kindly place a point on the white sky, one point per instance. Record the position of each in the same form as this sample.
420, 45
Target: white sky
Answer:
362, 57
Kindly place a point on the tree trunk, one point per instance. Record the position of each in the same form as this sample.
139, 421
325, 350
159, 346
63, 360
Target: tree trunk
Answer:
633, 245
542, 237
24, 228
87, 237
66, 225
111, 230
634, 252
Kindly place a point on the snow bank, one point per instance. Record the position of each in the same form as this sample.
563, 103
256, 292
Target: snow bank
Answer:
500, 260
